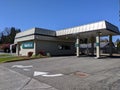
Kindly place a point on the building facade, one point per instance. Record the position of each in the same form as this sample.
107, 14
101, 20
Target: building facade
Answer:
63, 42
38, 40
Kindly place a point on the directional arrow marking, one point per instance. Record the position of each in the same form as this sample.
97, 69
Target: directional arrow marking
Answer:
45, 74
26, 69
54, 75
21, 66
37, 73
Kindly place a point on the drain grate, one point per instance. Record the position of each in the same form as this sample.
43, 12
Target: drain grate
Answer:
80, 74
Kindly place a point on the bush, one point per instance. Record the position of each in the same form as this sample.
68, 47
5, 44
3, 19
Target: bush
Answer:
42, 53
30, 54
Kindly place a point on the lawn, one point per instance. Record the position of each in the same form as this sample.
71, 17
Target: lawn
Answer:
2, 55
9, 58
12, 58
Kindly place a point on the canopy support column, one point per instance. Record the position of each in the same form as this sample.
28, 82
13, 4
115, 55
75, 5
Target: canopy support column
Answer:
77, 47
98, 46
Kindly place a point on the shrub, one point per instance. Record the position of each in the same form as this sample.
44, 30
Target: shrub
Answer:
30, 54
42, 53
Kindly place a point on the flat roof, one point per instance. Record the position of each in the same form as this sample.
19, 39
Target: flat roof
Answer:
36, 31
87, 30
101, 26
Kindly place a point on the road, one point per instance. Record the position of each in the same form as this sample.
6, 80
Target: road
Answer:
70, 72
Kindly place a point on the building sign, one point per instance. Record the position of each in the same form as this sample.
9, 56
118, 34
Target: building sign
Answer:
28, 45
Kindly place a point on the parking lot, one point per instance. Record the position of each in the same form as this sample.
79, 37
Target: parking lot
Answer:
71, 72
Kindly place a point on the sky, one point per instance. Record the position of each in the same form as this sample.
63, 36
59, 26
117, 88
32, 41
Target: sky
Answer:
56, 14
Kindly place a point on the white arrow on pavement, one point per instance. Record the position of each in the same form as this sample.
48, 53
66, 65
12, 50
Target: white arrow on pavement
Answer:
26, 69
37, 73
54, 75
21, 66
45, 74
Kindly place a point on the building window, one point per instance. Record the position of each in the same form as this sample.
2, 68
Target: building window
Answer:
64, 47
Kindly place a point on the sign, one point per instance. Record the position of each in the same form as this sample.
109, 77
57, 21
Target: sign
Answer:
77, 45
28, 45
97, 44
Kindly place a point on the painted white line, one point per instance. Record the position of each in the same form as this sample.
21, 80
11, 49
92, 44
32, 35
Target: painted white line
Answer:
37, 73
21, 66
26, 69
54, 75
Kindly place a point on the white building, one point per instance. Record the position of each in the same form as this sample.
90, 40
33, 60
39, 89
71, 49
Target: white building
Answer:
63, 42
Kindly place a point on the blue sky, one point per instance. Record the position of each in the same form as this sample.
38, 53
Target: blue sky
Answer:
56, 14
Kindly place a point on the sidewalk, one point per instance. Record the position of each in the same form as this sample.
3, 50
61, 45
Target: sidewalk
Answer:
11, 80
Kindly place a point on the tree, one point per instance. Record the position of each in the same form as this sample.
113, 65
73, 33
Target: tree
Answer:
118, 43
1, 37
104, 40
118, 40
12, 34
8, 35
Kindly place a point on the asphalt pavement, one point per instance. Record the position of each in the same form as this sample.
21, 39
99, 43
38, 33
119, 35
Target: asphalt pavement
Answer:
61, 73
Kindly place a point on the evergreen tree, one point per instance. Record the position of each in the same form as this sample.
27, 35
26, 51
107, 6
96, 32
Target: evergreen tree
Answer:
8, 35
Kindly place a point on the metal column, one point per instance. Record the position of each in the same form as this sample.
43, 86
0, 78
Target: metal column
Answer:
98, 46
77, 47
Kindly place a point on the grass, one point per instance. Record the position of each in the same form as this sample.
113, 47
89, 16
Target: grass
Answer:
2, 55
10, 58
